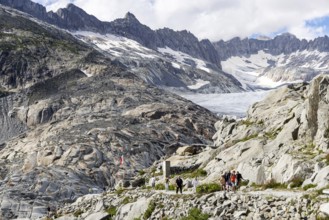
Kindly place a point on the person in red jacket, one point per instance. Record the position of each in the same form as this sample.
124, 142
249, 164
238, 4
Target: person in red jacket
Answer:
234, 180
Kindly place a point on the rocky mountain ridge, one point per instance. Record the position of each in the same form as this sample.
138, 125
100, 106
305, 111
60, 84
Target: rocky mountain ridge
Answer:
273, 62
74, 18
282, 44
256, 63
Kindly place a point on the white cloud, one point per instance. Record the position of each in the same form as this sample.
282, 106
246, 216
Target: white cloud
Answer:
213, 19
307, 32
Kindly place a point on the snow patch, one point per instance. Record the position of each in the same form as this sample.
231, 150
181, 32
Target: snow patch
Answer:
199, 84
115, 45
252, 70
86, 73
183, 58
175, 65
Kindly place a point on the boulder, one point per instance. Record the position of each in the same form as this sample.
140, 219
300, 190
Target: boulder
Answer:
131, 211
189, 150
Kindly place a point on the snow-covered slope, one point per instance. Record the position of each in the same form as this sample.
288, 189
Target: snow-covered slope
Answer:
163, 67
266, 70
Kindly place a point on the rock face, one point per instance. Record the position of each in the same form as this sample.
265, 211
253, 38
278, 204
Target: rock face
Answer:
31, 52
285, 43
74, 121
165, 68
282, 138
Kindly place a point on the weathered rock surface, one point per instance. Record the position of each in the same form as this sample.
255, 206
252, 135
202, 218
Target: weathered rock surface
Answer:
281, 138
85, 126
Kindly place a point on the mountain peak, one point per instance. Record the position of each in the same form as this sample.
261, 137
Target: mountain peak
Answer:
130, 17
288, 35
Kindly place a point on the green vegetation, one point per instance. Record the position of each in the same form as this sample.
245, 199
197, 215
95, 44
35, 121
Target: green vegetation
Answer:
153, 170
321, 217
149, 210
158, 174
141, 172
77, 213
195, 173
160, 206
119, 191
247, 122
245, 138
208, 188
244, 183
261, 122
326, 158
271, 135
195, 214
112, 210
296, 182
146, 187
160, 186
309, 186
126, 200
272, 184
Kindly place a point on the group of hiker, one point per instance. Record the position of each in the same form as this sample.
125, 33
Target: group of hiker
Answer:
229, 181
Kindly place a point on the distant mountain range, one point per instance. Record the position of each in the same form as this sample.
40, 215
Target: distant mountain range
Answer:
282, 59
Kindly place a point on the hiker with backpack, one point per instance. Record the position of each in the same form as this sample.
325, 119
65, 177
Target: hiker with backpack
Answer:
179, 185
228, 180
222, 182
239, 178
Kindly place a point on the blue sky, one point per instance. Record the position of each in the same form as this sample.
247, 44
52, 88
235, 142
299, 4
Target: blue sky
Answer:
216, 19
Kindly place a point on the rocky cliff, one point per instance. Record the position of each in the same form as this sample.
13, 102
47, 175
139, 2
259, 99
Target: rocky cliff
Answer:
74, 120
284, 137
